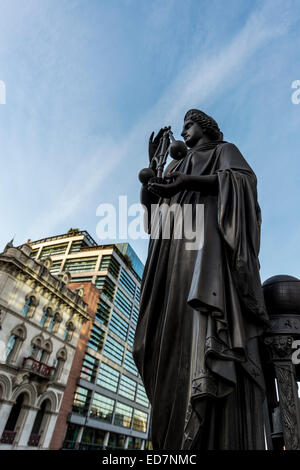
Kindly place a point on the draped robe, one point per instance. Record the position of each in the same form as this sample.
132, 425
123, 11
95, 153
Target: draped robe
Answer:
201, 314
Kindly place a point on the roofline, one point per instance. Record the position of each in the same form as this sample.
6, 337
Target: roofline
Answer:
65, 235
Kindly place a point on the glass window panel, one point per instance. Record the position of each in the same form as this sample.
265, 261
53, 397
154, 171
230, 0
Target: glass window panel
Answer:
141, 396
138, 295
140, 421
10, 345
77, 246
135, 262
135, 315
53, 322
92, 436
55, 268
81, 400
44, 317
127, 283
96, 338
72, 432
103, 312
127, 387
134, 443
123, 415
131, 336
118, 325
82, 265
89, 368
26, 307
129, 364
113, 350
54, 250
108, 377
82, 279
108, 262
123, 303
106, 285
102, 408
116, 441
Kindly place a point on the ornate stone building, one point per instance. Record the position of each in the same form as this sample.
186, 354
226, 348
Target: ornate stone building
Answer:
40, 324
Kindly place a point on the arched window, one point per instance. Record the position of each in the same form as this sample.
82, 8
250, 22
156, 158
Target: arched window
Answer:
47, 313
54, 323
10, 429
59, 363
68, 334
40, 424
14, 344
45, 352
10, 346
40, 350
29, 306
44, 318
35, 436
36, 347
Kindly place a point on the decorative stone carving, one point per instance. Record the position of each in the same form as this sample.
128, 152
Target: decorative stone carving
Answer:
288, 408
30, 282
280, 347
20, 378
48, 262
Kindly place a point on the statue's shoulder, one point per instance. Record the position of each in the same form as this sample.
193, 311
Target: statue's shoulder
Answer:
230, 156
228, 147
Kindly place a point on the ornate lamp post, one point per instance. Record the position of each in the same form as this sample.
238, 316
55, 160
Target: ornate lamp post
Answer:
282, 297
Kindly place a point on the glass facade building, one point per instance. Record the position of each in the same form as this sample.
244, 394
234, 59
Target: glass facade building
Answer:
110, 406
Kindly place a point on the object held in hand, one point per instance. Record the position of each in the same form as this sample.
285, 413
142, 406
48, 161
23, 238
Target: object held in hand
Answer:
145, 175
177, 150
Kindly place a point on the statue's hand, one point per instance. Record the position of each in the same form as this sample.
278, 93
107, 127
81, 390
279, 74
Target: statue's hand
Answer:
154, 143
168, 186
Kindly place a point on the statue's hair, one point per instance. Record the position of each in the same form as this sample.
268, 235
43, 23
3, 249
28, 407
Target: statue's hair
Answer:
208, 124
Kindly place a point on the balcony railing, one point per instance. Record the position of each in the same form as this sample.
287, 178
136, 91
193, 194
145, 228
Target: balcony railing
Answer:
8, 437
34, 440
37, 367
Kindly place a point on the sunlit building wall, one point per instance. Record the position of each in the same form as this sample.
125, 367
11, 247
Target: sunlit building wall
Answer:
110, 407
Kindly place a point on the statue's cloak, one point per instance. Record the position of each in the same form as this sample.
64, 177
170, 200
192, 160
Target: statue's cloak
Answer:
202, 312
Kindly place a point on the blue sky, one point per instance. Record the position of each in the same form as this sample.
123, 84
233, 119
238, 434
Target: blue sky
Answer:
88, 80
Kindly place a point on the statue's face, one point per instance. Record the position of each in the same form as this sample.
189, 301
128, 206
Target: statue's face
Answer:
191, 133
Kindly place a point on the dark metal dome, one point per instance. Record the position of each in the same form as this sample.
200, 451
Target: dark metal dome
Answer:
282, 295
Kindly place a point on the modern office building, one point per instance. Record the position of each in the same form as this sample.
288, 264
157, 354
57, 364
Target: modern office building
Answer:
110, 407
40, 323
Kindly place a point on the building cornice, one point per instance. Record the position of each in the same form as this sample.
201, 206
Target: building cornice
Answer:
35, 273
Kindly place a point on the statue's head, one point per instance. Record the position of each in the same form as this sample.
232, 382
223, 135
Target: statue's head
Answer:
198, 125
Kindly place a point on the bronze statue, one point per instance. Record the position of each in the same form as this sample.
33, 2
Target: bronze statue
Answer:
202, 311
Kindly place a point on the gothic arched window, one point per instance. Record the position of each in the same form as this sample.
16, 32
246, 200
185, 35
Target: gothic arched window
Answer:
68, 334
29, 306
47, 313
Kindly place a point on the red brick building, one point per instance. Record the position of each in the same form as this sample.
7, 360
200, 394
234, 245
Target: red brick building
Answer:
91, 297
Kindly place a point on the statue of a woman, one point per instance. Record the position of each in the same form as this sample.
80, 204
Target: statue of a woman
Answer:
202, 311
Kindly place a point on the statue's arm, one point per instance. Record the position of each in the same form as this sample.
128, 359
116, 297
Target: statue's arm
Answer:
206, 183
176, 181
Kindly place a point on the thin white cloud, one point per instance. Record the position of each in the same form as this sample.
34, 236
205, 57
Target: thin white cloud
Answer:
191, 88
